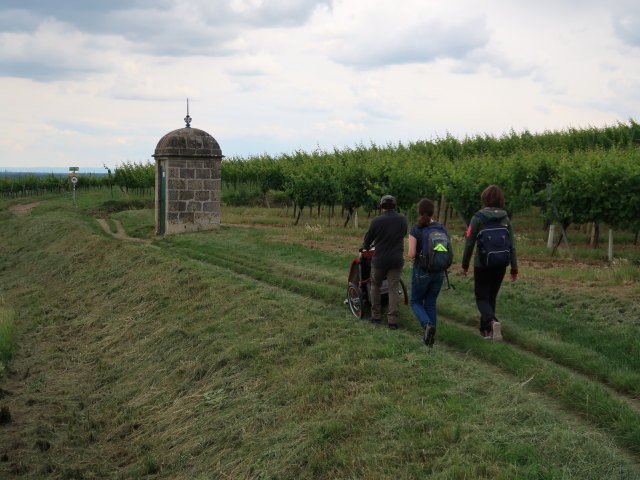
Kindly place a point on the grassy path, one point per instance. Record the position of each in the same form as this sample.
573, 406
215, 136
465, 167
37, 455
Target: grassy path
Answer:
229, 354
577, 388
120, 233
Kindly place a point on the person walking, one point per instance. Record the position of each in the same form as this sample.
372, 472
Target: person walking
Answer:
490, 230
386, 233
426, 280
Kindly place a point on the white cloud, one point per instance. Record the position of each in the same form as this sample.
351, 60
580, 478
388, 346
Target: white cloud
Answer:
625, 20
369, 34
54, 51
94, 83
55, 40
339, 125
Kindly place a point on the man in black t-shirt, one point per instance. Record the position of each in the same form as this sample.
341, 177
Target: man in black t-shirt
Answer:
386, 233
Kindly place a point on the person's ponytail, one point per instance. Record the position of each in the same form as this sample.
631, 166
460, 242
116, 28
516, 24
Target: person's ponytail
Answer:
425, 212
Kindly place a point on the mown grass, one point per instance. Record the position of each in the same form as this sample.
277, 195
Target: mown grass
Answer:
229, 354
567, 352
138, 223
544, 319
94, 202
539, 318
619, 273
606, 352
592, 333
592, 400
7, 337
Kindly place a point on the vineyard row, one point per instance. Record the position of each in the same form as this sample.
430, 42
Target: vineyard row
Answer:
574, 177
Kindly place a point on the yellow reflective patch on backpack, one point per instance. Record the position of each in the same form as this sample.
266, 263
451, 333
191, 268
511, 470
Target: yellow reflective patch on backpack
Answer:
440, 248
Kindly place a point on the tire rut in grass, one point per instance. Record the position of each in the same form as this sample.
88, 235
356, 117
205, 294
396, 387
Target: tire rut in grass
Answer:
255, 268
582, 396
599, 404
577, 365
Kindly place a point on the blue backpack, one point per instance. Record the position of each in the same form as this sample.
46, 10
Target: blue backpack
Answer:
436, 254
494, 242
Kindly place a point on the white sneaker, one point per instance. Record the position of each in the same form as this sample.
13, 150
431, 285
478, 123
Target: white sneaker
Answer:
496, 333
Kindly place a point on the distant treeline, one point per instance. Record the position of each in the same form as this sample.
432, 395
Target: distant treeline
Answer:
139, 177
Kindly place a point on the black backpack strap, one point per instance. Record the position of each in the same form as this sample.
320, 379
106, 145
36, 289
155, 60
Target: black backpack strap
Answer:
450, 286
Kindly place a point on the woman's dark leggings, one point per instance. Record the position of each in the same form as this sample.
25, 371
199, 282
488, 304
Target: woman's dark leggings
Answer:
487, 283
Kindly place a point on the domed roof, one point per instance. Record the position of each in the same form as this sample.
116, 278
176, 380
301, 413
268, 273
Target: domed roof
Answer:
188, 142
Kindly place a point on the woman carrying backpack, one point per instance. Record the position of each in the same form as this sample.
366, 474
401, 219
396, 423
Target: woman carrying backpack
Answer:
491, 231
428, 269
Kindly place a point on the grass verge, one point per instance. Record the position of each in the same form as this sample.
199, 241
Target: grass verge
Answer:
593, 334
7, 337
588, 398
138, 362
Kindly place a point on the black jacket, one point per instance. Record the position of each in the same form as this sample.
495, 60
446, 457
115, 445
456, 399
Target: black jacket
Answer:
386, 233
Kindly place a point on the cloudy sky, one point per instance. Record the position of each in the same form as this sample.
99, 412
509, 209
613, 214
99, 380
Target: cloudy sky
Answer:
99, 83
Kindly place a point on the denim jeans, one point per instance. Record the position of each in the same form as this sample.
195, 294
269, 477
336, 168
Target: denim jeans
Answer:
425, 287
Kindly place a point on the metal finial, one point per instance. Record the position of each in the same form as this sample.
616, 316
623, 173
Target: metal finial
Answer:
187, 119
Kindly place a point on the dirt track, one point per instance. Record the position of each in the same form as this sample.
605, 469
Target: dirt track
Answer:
120, 234
24, 208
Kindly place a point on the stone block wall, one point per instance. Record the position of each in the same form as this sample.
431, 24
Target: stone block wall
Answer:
193, 194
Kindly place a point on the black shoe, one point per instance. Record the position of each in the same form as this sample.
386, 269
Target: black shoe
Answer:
429, 335
375, 321
393, 326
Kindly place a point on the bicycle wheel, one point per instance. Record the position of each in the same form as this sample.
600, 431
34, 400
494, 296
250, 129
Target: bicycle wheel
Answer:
354, 299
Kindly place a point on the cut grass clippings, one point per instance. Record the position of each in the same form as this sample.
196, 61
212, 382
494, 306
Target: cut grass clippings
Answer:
7, 336
593, 401
592, 335
137, 362
589, 398
137, 223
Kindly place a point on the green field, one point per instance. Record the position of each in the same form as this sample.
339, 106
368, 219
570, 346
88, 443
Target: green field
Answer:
230, 354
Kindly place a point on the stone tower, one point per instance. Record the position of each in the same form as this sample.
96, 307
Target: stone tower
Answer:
187, 181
